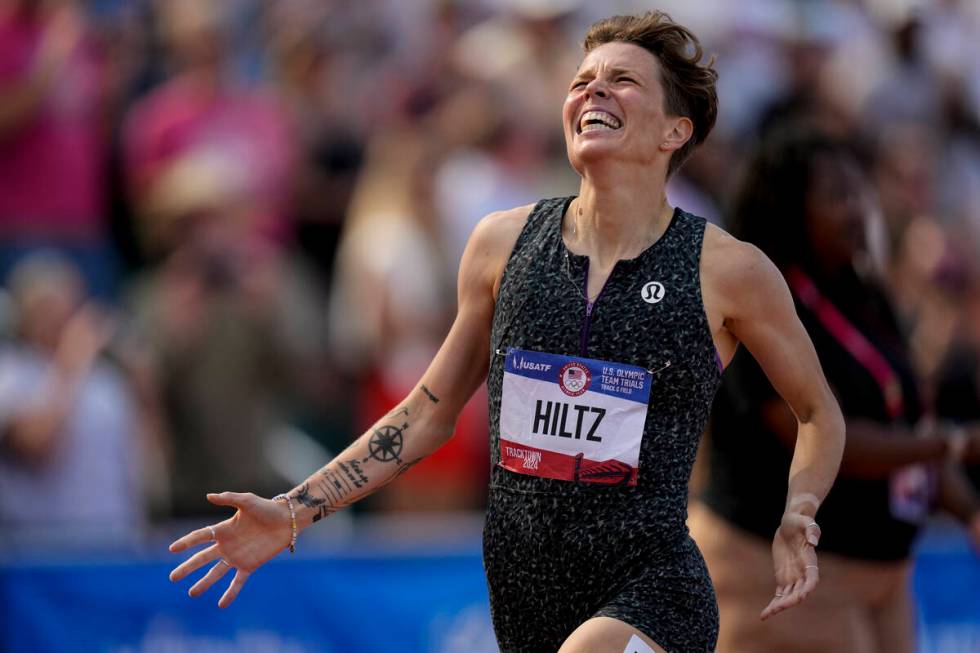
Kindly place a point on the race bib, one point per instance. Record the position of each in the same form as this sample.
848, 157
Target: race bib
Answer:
574, 419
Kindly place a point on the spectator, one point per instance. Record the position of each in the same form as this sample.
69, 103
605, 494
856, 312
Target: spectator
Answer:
70, 445
330, 149
200, 120
52, 102
805, 204
233, 328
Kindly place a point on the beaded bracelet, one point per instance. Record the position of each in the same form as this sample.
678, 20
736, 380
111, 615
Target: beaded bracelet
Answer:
292, 519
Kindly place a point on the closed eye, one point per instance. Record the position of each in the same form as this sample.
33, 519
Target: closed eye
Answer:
624, 78
579, 84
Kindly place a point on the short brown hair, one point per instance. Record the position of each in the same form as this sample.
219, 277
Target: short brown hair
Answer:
689, 86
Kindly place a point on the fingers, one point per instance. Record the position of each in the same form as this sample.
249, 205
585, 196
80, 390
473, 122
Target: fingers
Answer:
231, 499
787, 596
236, 586
196, 561
200, 536
777, 600
813, 533
214, 574
208, 533
811, 579
795, 596
810, 528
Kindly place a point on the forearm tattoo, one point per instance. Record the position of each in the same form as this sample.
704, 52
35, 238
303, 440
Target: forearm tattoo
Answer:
337, 487
352, 470
428, 393
303, 496
335, 490
386, 443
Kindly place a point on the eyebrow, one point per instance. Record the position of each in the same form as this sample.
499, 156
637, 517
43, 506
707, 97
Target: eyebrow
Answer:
612, 71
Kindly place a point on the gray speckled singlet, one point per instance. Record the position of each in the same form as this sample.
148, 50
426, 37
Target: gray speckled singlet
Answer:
560, 552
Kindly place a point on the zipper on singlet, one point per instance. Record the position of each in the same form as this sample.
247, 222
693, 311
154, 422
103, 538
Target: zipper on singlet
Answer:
589, 306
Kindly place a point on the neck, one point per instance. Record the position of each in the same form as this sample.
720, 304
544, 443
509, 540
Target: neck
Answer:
617, 217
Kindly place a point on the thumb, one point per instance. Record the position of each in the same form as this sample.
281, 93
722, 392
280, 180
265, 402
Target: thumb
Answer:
231, 499
813, 533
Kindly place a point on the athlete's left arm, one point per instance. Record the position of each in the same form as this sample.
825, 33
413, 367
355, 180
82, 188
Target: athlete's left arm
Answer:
759, 313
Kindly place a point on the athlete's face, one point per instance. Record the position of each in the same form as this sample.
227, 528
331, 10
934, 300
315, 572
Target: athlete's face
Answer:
615, 108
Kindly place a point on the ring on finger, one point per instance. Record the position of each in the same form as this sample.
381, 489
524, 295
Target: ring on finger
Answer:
812, 567
214, 536
778, 595
222, 561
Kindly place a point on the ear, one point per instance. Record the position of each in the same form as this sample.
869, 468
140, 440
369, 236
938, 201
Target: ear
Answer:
678, 133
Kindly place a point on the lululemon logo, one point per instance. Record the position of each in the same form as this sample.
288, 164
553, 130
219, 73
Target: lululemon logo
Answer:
653, 292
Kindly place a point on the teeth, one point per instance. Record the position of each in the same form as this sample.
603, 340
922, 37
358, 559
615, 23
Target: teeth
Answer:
598, 119
596, 126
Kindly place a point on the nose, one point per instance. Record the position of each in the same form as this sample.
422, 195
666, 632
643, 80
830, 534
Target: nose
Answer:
597, 87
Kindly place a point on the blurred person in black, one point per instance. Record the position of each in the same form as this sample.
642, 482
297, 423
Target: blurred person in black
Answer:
958, 385
805, 203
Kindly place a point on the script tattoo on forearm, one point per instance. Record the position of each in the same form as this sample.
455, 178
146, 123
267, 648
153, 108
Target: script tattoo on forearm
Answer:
428, 393
354, 473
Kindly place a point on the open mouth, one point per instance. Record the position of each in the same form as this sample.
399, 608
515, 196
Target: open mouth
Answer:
598, 121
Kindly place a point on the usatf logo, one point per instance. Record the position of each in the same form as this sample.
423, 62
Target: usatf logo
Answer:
653, 292
574, 379
522, 364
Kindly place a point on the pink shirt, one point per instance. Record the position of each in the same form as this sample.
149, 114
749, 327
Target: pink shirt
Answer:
244, 135
52, 174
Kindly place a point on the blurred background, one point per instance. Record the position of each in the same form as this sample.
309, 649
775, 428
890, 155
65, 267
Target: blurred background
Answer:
229, 235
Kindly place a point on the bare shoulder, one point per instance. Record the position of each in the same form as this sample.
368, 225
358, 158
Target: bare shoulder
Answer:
739, 272
499, 230
490, 245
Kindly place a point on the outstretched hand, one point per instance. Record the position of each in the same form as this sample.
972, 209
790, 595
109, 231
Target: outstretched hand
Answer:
795, 561
258, 531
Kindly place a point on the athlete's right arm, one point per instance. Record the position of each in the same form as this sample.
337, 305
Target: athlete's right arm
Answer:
420, 424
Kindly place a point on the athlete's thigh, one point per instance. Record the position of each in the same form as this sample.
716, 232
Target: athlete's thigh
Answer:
608, 635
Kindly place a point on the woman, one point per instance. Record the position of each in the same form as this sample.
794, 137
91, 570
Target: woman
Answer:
602, 320
804, 203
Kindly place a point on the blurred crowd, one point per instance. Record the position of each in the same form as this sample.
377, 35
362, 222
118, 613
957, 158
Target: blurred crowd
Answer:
229, 231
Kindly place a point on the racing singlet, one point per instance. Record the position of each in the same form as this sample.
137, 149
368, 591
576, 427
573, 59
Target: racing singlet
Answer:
596, 411
607, 398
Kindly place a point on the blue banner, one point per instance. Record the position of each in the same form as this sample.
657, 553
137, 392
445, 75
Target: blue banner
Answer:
325, 605
410, 603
